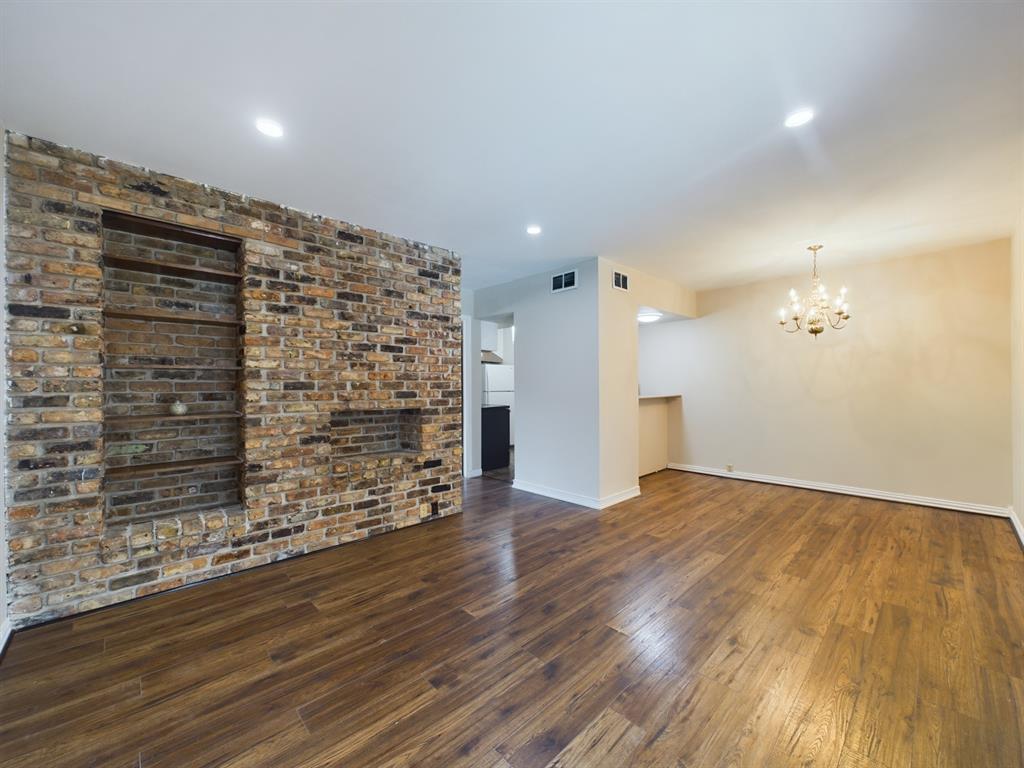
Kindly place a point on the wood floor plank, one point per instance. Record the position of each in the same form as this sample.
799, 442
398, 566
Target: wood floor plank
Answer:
608, 741
881, 727
685, 723
817, 727
484, 728
948, 671
557, 724
709, 622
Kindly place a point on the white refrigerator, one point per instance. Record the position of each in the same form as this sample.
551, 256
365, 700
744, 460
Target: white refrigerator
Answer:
499, 389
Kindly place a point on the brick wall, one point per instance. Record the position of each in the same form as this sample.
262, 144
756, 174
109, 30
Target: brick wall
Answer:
349, 385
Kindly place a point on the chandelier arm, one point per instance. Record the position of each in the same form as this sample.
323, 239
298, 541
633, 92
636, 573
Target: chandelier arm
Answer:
814, 310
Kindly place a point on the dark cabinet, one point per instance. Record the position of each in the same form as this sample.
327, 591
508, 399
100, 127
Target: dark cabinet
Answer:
494, 435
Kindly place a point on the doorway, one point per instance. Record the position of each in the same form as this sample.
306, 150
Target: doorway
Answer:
497, 422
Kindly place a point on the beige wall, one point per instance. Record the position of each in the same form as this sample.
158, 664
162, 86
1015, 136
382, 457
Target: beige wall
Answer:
619, 385
1017, 362
913, 398
653, 442
660, 438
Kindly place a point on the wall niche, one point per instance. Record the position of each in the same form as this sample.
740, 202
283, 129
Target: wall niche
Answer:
374, 433
171, 367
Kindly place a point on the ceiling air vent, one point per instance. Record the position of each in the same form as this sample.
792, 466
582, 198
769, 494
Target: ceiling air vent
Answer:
564, 281
620, 281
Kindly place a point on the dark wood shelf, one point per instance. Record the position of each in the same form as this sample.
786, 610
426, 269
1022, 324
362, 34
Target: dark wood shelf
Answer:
177, 270
168, 316
168, 230
135, 470
208, 416
178, 367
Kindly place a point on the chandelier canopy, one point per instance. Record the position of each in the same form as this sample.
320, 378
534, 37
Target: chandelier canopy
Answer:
814, 311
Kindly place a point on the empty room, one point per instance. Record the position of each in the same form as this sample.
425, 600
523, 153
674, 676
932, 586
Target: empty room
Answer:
512, 384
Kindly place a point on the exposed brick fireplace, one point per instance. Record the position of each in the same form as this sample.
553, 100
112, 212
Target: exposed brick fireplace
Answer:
318, 365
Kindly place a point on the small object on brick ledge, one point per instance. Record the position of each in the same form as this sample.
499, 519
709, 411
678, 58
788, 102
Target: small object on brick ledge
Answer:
178, 408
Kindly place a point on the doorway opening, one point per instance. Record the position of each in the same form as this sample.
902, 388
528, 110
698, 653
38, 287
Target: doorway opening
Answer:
497, 422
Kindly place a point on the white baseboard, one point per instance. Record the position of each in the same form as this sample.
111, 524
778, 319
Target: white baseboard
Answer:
473, 473
615, 498
848, 490
554, 493
1018, 524
575, 498
5, 634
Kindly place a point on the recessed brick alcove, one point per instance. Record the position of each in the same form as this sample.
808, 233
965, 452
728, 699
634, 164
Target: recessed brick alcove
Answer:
368, 433
159, 463
323, 402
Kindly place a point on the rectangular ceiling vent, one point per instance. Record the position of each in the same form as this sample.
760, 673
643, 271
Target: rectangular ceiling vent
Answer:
564, 281
620, 281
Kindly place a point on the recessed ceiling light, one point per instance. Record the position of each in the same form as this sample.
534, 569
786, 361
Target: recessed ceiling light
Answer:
800, 117
533, 229
269, 127
648, 317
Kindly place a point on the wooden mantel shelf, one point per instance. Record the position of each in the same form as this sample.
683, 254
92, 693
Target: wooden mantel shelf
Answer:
169, 268
200, 415
135, 470
168, 316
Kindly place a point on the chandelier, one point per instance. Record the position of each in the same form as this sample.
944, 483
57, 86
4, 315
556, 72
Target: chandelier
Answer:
814, 311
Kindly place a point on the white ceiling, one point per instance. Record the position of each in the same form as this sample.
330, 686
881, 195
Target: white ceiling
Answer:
651, 134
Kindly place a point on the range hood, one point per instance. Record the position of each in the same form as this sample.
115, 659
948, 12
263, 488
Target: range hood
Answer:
490, 358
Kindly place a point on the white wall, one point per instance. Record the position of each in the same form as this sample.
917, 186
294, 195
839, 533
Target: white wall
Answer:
913, 398
556, 381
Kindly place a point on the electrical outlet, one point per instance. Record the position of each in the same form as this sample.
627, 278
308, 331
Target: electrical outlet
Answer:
728, 467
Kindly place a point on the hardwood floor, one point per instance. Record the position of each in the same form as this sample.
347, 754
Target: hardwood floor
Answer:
709, 622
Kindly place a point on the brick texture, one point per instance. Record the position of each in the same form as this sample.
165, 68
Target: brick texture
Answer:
349, 385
